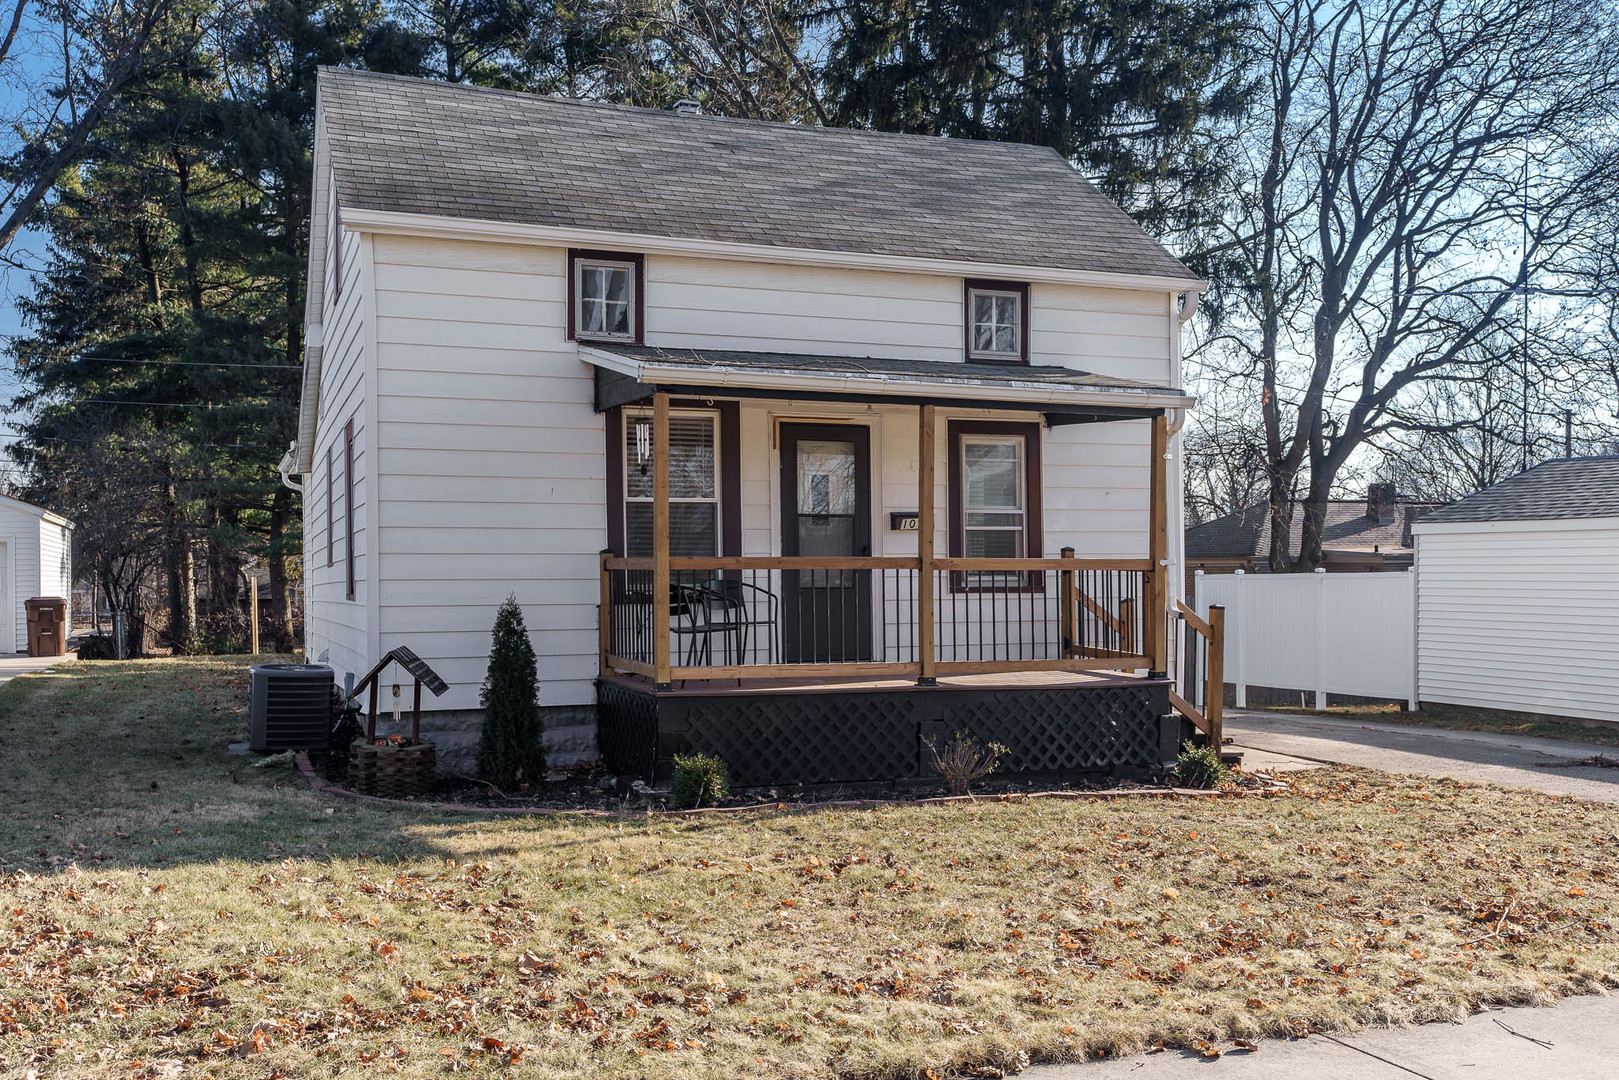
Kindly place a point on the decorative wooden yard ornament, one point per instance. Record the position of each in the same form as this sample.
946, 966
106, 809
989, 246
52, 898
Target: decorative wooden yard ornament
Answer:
403, 768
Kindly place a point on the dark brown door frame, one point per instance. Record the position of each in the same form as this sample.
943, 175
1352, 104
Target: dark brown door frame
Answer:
826, 622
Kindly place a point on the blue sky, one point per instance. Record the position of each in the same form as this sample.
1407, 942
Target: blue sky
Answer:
32, 65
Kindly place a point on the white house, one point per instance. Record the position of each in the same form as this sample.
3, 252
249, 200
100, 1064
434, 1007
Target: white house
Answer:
36, 559
842, 397
1517, 587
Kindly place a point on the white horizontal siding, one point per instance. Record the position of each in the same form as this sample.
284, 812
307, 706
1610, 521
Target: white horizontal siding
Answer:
491, 462
56, 565
1520, 616
21, 532
333, 623
716, 304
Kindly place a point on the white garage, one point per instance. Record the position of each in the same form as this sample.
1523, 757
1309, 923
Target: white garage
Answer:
36, 559
1518, 594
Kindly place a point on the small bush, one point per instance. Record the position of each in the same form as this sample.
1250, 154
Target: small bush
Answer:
1201, 767
511, 749
97, 647
964, 761
700, 780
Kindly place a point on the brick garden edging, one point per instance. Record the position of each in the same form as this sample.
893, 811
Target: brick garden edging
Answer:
325, 787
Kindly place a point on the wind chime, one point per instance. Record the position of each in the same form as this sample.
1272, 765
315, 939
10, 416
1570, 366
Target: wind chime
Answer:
643, 443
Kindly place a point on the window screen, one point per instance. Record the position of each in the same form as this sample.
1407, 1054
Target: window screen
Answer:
994, 503
693, 484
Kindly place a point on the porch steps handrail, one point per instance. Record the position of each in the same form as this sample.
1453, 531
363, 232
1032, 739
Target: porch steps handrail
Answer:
1209, 720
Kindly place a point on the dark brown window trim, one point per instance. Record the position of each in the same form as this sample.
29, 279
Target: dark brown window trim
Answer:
589, 254
1019, 287
1033, 516
331, 485
348, 506
730, 451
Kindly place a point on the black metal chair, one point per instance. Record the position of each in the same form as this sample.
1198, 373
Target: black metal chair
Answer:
730, 610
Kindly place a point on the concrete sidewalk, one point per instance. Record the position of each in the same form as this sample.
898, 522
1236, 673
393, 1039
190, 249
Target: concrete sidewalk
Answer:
1576, 1040
1509, 760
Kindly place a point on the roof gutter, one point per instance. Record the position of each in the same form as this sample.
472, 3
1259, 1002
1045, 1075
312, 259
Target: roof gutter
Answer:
303, 448
883, 384
508, 232
1189, 307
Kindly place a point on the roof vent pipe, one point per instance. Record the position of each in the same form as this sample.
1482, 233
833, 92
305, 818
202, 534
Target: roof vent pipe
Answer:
688, 107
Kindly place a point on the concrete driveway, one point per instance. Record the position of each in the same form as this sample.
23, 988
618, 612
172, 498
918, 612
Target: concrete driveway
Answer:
12, 666
1576, 1040
1282, 741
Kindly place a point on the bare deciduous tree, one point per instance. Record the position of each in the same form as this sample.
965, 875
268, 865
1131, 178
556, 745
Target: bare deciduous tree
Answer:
98, 50
740, 58
1383, 230
1223, 448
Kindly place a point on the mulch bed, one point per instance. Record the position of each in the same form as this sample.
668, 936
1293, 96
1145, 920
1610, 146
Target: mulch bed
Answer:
580, 789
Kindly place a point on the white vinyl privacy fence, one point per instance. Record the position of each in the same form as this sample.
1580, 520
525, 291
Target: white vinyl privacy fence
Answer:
1320, 632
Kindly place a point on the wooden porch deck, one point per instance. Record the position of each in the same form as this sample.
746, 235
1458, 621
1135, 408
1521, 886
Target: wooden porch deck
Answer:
851, 668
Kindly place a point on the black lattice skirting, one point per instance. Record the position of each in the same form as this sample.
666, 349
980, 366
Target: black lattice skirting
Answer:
793, 737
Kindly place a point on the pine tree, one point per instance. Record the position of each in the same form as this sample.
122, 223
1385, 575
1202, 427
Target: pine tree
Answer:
511, 749
1130, 91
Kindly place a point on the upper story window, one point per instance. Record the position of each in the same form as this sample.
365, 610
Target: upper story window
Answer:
997, 321
605, 300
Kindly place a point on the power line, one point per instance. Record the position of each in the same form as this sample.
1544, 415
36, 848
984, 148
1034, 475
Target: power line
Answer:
96, 442
167, 404
187, 363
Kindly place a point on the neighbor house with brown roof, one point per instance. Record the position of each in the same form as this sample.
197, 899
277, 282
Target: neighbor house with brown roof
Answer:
800, 446
1359, 535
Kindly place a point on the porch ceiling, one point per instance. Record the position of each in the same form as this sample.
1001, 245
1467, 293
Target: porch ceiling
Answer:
629, 373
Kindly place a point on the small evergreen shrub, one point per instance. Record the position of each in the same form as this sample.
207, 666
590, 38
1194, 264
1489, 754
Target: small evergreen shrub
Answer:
1201, 767
700, 780
511, 749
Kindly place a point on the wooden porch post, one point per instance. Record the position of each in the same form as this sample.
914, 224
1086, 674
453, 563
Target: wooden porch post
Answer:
604, 617
1157, 612
1214, 696
660, 540
924, 544
1070, 604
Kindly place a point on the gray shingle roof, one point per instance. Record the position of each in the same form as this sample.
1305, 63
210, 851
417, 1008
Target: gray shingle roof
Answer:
931, 370
1567, 488
421, 147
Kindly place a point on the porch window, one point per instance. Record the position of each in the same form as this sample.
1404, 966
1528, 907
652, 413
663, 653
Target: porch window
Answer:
605, 296
995, 512
997, 321
694, 484
995, 499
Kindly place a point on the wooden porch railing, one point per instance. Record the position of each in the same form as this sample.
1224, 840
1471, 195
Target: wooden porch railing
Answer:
667, 617
784, 617
1208, 645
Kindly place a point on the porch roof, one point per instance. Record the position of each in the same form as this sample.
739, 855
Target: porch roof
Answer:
629, 373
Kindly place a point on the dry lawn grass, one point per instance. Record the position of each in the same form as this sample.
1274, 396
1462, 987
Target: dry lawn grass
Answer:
230, 923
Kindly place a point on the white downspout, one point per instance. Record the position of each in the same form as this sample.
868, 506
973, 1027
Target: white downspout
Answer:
289, 461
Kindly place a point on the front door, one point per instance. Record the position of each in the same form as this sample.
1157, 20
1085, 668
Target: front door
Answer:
826, 511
